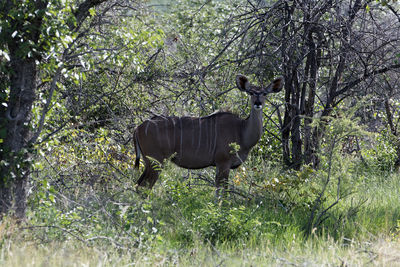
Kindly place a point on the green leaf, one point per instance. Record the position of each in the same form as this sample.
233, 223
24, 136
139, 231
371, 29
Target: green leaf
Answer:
92, 12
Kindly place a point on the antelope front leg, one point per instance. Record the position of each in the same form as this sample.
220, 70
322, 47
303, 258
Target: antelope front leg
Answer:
221, 179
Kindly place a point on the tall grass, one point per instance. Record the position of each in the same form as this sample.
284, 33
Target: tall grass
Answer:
314, 252
85, 214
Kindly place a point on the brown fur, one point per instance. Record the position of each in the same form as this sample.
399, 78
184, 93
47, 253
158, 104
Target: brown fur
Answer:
199, 142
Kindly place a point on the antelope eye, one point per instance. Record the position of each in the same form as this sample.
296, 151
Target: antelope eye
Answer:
264, 94
251, 93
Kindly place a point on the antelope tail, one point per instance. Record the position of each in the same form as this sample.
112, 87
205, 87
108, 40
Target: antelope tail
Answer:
137, 149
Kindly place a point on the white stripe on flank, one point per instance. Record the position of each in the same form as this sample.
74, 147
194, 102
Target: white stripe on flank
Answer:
147, 127
215, 135
173, 126
192, 132
198, 146
210, 139
208, 135
180, 124
157, 132
167, 133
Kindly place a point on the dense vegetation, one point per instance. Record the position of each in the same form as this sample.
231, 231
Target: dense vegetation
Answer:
321, 187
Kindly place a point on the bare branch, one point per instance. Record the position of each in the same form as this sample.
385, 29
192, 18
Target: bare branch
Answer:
83, 11
46, 107
365, 76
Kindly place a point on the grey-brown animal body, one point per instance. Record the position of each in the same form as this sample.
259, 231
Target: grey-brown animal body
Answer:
199, 142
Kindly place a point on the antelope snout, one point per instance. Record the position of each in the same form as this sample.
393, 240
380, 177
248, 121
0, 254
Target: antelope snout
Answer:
257, 106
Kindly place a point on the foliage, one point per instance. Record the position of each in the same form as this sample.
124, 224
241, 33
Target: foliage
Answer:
380, 154
120, 67
85, 189
98, 77
84, 195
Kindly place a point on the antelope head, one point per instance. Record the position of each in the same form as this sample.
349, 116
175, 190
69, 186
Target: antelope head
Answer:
258, 94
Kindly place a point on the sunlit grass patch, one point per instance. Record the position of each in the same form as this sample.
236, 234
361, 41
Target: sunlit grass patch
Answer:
314, 252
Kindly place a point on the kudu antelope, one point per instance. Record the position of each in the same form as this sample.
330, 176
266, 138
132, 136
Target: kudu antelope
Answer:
199, 142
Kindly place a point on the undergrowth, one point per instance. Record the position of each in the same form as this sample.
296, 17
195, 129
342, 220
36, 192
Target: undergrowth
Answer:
84, 207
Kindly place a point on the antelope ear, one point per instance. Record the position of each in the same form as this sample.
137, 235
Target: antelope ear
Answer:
276, 85
242, 82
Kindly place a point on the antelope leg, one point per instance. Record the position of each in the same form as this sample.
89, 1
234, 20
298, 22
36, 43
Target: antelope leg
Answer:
150, 175
221, 179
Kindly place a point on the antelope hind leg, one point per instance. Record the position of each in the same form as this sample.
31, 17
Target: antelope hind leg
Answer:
150, 175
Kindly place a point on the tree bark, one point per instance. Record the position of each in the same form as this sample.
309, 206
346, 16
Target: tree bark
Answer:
21, 71
15, 169
15, 150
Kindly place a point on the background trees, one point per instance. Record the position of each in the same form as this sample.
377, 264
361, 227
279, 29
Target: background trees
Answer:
77, 76
328, 51
50, 51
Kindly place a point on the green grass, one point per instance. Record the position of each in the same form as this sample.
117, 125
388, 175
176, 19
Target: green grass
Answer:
106, 223
315, 252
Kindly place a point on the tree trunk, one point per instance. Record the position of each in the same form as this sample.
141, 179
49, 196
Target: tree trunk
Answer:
286, 128
397, 162
313, 61
297, 156
16, 147
15, 151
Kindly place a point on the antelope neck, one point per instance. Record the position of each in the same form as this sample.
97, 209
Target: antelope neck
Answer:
253, 128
